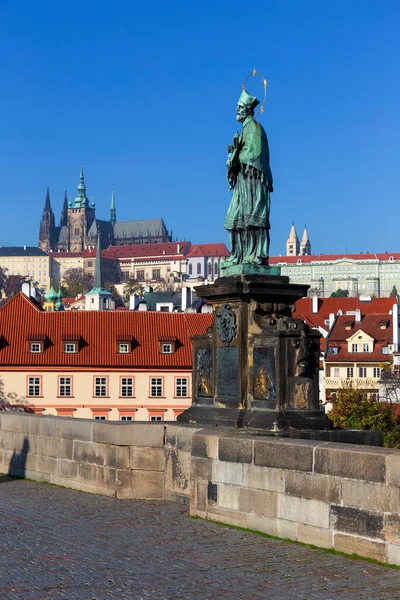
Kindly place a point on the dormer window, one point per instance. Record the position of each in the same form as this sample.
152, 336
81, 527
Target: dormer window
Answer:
166, 344
36, 343
166, 348
348, 325
123, 347
36, 347
125, 344
334, 350
70, 347
383, 325
70, 343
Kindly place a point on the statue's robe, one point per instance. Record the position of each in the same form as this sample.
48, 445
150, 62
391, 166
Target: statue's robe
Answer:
248, 215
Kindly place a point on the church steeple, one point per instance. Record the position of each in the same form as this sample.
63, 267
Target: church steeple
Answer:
98, 269
64, 212
81, 200
47, 225
99, 298
292, 244
305, 245
113, 210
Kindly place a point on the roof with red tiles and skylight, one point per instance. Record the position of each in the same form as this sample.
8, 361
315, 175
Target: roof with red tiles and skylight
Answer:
212, 250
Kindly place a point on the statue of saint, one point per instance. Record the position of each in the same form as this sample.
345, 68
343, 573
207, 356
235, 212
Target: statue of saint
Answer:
250, 178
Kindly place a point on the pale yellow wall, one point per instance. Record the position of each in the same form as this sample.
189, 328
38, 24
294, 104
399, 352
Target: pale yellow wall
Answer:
61, 264
36, 267
15, 390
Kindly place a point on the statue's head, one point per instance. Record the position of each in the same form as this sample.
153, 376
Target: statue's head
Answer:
246, 105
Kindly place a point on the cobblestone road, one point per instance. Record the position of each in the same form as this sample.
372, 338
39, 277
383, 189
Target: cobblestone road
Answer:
61, 544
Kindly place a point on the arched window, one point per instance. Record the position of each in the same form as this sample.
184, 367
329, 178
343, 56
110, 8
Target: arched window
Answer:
76, 232
216, 268
190, 269
209, 268
198, 268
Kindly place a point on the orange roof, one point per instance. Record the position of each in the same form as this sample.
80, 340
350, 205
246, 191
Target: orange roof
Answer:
99, 331
150, 250
368, 324
208, 250
274, 260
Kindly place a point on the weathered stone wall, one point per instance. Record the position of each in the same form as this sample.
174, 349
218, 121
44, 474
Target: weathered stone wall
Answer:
331, 495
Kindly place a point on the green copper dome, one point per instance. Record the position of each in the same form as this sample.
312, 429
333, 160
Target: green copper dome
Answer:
51, 295
81, 200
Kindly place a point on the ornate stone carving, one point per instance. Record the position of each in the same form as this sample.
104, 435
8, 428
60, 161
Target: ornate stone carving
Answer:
226, 324
302, 355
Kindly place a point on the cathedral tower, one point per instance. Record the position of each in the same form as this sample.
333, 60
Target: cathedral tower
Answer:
80, 218
113, 210
305, 245
64, 212
292, 244
47, 225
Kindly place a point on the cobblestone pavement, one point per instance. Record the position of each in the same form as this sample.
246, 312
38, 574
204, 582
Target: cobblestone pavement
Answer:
62, 544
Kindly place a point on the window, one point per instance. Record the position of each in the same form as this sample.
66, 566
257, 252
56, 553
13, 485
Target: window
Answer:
365, 347
156, 387
34, 386
100, 386
140, 275
336, 372
99, 418
76, 231
123, 348
70, 347
354, 347
166, 349
376, 372
209, 268
181, 387
156, 274
126, 418
36, 347
216, 269
65, 386
385, 350
350, 372
363, 371
335, 350
190, 269
198, 268
90, 263
127, 387
156, 418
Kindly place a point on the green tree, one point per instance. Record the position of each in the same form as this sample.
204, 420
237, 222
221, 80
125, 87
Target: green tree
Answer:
354, 410
340, 294
77, 282
393, 293
132, 286
3, 277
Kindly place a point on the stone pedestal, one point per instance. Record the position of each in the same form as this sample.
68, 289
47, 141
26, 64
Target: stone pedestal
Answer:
257, 367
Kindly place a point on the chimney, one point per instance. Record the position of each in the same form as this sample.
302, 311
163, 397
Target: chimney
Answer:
26, 289
314, 300
357, 314
186, 300
178, 248
133, 301
331, 319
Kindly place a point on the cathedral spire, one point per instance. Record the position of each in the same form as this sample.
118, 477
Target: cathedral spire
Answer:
292, 244
47, 225
64, 212
113, 210
81, 200
98, 269
305, 246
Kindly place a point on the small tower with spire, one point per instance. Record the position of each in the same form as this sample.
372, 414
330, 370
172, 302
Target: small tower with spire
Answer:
99, 298
292, 244
80, 217
305, 244
47, 225
64, 212
113, 210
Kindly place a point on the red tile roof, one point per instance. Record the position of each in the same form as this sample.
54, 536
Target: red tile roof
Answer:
370, 325
274, 260
99, 331
150, 250
208, 250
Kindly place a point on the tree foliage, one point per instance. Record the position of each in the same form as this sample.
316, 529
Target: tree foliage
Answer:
354, 410
340, 294
393, 293
132, 286
77, 282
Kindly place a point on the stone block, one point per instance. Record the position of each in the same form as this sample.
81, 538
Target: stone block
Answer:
316, 536
205, 445
357, 521
67, 468
106, 478
87, 473
263, 478
262, 503
276, 527
47, 464
228, 496
226, 472
31, 462
123, 484
392, 528
184, 435
351, 544
41, 447
32, 424
20, 440
13, 422
200, 468
147, 459
177, 498
50, 427
60, 448
313, 486
354, 462
68, 428
301, 510
89, 452
6, 440
226, 515
147, 485
235, 450
129, 434
177, 471
170, 434
285, 454
393, 469
393, 554
122, 457
374, 496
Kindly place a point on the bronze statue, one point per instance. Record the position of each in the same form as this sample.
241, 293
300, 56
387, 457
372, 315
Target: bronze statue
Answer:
250, 179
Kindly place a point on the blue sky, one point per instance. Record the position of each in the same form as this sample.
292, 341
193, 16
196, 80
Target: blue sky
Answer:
144, 95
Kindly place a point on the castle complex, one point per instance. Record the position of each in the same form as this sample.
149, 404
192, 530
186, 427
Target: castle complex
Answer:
78, 227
